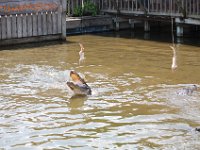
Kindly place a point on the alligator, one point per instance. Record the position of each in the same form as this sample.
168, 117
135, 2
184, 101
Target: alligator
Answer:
78, 85
188, 90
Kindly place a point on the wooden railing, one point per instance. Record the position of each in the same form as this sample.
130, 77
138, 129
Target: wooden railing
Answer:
184, 8
72, 4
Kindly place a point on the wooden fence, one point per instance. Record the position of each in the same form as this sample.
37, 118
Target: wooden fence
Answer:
32, 19
186, 8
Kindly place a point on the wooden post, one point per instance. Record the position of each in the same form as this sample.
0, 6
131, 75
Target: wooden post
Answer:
146, 26
14, 26
132, 24
64, 19
49, 23
128, 5
116, 22
136, 3
179, 30
132, 5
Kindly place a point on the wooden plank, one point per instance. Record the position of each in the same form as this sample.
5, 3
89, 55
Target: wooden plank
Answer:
35, 25
29, 39
9, 27
186, 6
55, 22
19, 26
64, 19
136, 5
44, 24
100, 5
39, 22
194, 7
68, 8
59, 22
14, 26
24, 22
128, 5
156, 5
3, 27
132, 6
170, 6
161, 5
72, 7
0, 28
30, 25
150, 5
49, 23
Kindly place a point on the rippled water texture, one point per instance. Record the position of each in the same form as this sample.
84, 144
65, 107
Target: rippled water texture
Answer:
134, 104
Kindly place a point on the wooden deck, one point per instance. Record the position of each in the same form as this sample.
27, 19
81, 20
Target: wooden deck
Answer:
167, 8
180, 11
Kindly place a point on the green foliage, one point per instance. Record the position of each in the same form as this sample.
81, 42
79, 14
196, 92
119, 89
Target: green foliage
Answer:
89, 9
78, 12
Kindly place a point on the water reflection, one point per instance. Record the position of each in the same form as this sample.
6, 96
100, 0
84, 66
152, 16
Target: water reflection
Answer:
134, 104
146, 35
81, 54
77, 102
174, 58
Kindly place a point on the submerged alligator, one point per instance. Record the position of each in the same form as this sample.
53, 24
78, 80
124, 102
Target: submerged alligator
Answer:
197, 129
188, 90
78, 86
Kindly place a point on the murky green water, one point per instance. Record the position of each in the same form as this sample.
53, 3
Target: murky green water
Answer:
134, 104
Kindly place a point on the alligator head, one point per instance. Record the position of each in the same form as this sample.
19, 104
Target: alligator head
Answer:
78, 85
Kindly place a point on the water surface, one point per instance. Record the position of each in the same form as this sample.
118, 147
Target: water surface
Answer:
134, 104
